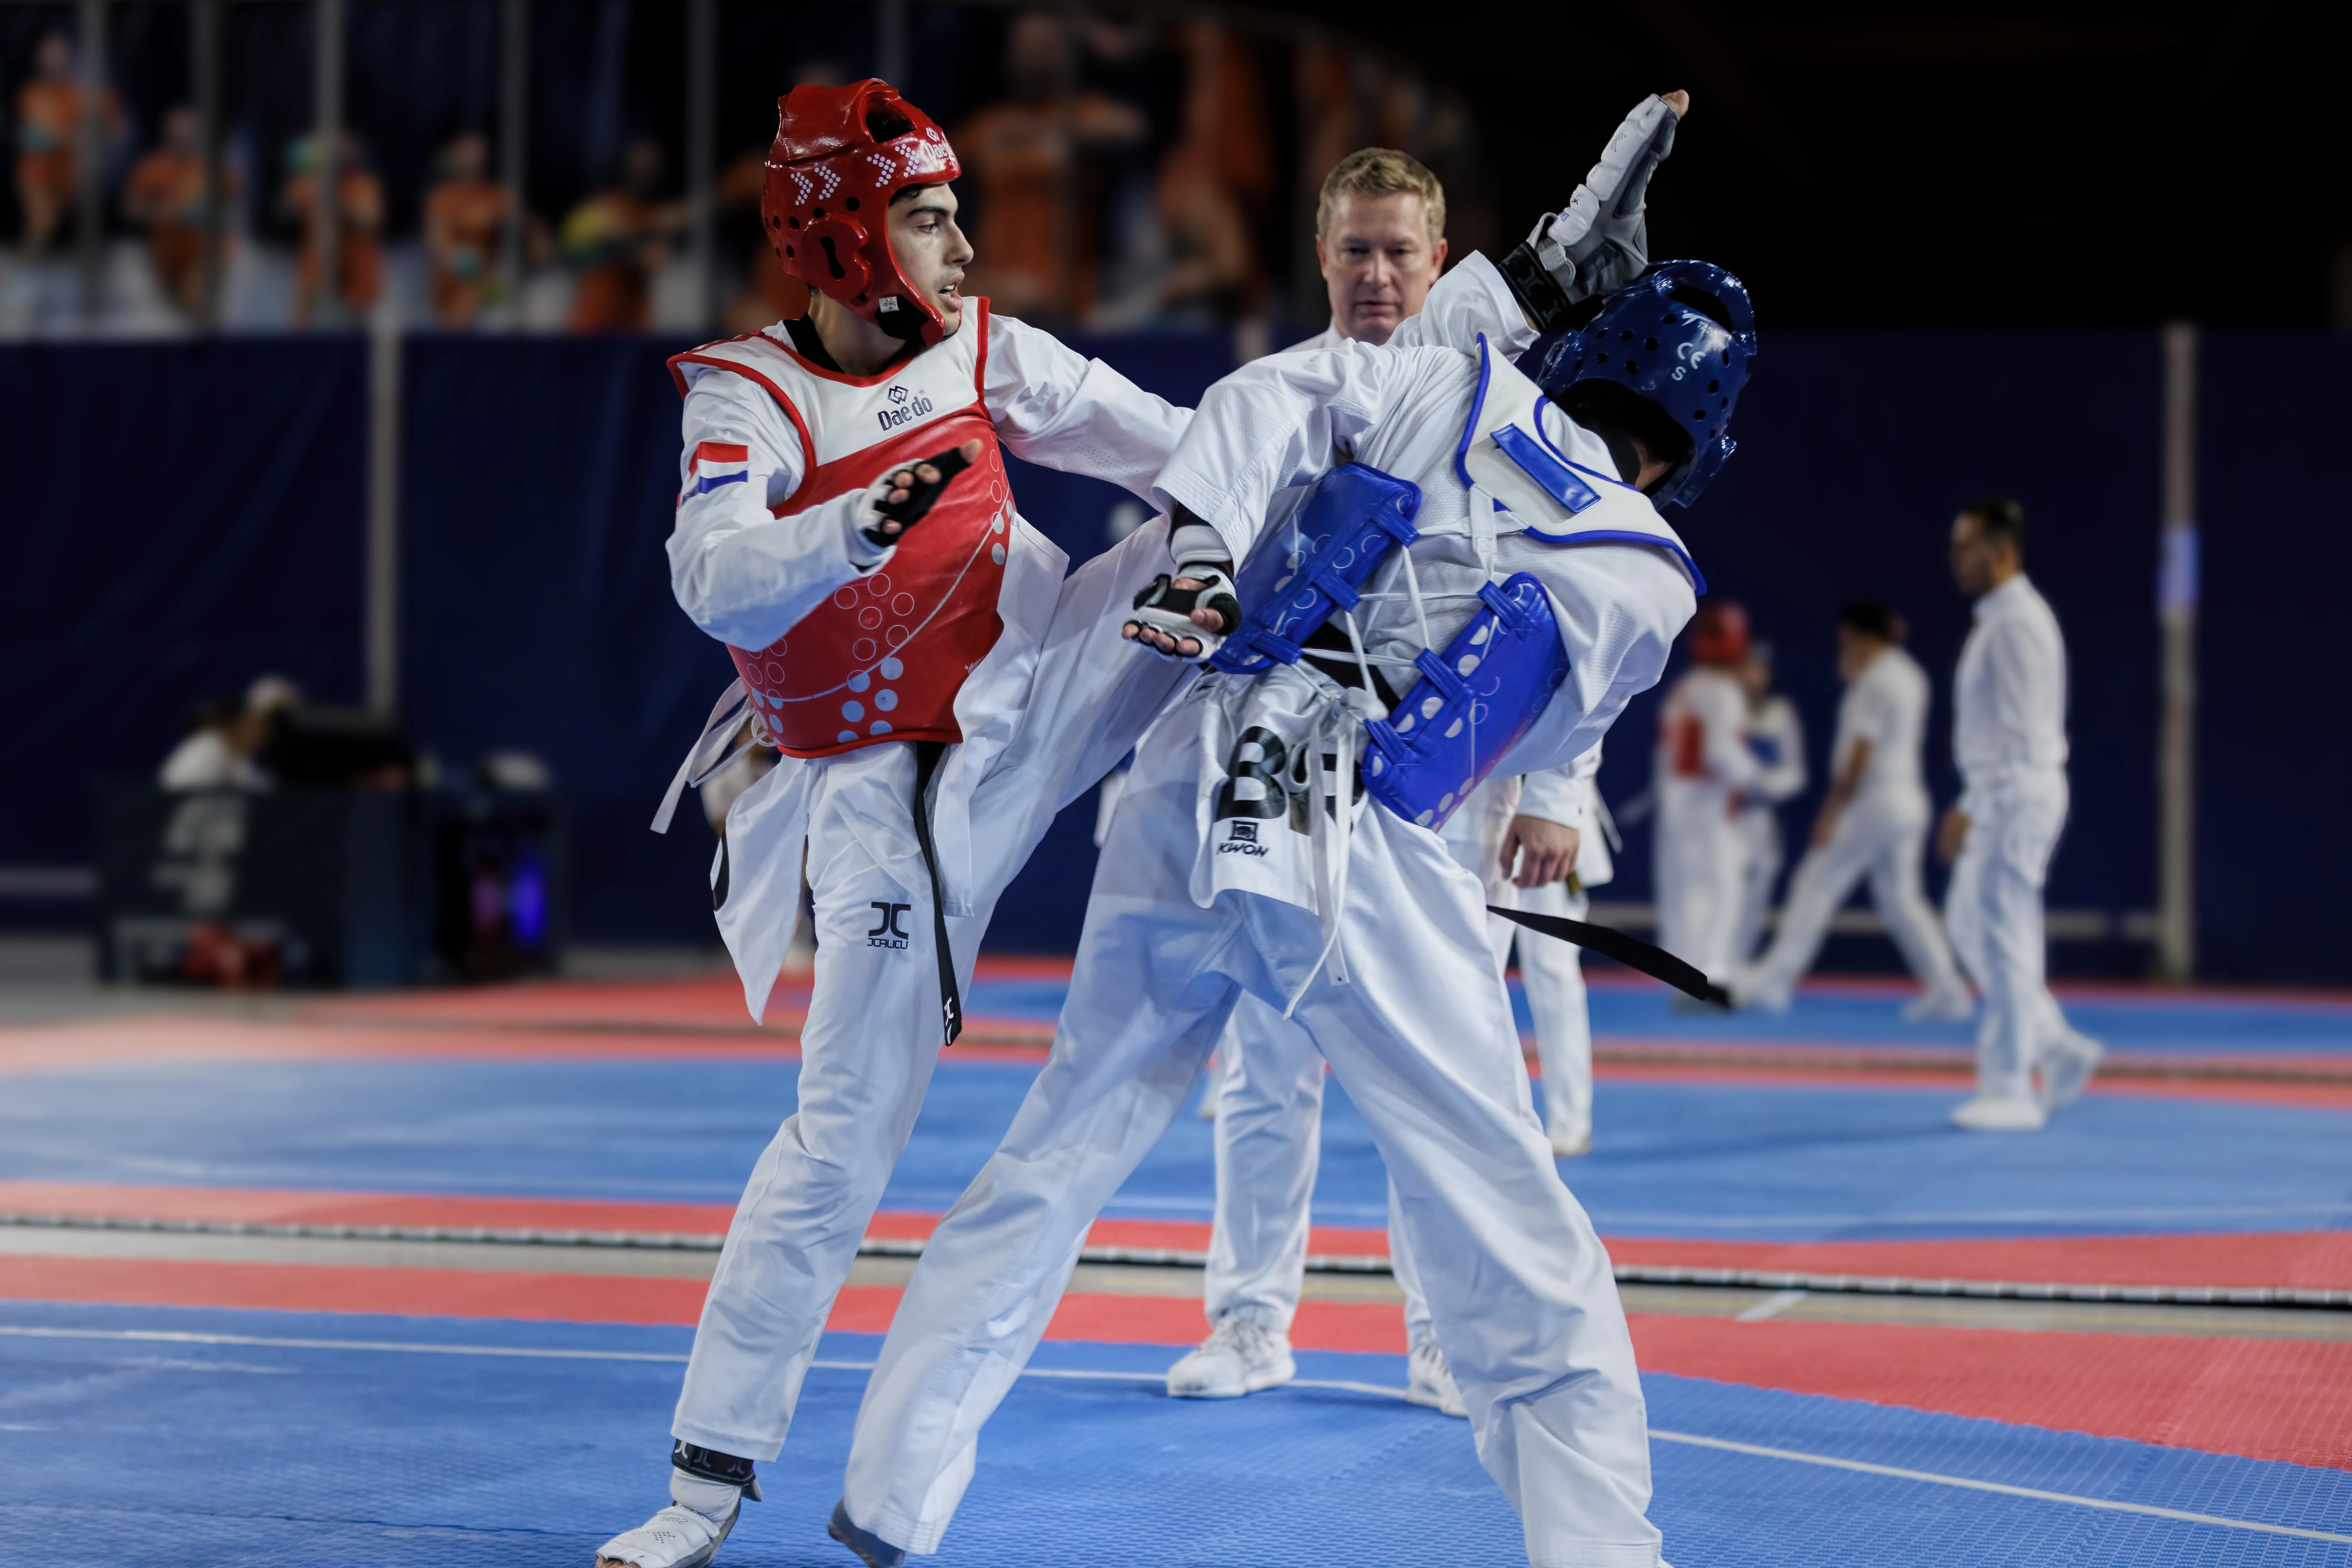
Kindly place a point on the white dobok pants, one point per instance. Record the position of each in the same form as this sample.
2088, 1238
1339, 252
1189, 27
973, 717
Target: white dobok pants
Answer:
1700, 860
1881, 837
1525, 1307
1992, 907
1553, 973
1269, 1137
874, 1027
1760, 859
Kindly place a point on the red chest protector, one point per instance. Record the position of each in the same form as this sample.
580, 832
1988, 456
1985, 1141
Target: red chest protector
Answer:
884, 656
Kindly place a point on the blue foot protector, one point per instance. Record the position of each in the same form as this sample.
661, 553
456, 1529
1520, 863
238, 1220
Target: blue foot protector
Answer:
871, 1549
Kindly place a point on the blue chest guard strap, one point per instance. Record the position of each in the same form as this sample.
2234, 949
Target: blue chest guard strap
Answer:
1316, 565
1471, 705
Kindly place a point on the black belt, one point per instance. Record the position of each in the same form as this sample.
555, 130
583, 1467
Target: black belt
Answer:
926, 766
1630, 950
1328, 648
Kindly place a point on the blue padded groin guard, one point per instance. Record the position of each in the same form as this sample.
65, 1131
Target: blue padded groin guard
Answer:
1317, 563
1471, 705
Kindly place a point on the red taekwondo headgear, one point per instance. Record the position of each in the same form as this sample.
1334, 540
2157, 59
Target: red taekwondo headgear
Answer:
1719, 635
840, 154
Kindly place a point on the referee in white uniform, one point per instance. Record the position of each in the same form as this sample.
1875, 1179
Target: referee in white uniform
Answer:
2009, 736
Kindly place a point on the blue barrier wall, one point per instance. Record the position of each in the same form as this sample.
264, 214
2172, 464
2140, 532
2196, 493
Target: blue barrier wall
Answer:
181, 517
174, 520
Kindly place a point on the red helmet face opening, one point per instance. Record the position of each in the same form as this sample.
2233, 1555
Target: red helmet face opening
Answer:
840, 154
1719, 635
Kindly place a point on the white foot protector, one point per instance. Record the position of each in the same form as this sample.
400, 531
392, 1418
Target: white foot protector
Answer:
1749, 988
1567, 1144
1242, 1356
1940, 1007
1429, 1380
686, 1534
1986, 1114
2068, 1067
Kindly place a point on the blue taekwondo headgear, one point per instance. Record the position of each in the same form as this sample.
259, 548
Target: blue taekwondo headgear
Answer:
1682, 335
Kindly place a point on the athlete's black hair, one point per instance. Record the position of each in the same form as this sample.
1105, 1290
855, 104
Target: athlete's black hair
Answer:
1873, 618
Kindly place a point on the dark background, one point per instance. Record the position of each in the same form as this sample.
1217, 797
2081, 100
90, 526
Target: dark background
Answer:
188, 515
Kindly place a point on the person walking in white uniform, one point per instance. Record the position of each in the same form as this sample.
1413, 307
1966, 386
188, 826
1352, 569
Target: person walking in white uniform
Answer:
1516, 577
2009, 736
1777, 737
1874, 823
1381, 238
1702, 768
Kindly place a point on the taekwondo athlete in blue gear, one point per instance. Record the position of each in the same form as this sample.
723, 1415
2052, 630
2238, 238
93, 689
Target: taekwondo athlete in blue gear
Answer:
1355, 919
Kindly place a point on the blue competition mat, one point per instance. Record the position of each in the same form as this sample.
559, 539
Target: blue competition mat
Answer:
133, 1451
2193, 1024
1674, 1159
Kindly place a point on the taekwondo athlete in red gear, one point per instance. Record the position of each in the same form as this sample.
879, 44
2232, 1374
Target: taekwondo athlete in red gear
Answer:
937, 688
1703, 765
1483, 547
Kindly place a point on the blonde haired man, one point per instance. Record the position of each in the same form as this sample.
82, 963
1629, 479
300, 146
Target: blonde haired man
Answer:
1380, 238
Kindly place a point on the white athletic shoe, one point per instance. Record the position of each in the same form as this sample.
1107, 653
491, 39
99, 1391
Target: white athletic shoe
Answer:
2067, 1067
1940, 1007
1750, 989
1986, 1114
1242, 1357
1428, 1381
682, 1535
1566, 1145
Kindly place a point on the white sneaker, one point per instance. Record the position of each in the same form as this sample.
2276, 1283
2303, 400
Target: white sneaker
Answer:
1242, 1356
1940, 1007
1749, 988
2068, 1067
1428, 1381
1986, 1114
681, 1535
1566, 1145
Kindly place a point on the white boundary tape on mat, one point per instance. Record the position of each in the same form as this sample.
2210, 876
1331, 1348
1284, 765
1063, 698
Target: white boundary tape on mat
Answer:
1930, 1477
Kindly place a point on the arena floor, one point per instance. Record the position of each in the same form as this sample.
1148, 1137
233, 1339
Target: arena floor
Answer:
410, 1279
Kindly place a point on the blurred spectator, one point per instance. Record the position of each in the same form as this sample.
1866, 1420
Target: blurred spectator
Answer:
221, 746
359, 218
1206, 271
1032, 243
617, 239
165, 196
464, 210
770, 294
49, 133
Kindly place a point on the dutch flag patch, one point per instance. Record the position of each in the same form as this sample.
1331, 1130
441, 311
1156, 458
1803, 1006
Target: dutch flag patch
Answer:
716, 463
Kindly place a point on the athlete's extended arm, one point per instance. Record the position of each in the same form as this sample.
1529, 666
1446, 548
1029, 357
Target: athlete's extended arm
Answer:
1060, 411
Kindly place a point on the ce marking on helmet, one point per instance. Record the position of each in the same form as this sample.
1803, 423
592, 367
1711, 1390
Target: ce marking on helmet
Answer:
888, 932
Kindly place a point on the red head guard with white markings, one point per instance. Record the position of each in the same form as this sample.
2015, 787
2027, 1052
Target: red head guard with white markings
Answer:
1719, 635
840, 154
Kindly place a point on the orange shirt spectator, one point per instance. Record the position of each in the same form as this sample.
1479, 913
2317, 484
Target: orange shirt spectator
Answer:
1031, 245
618, 239
165, 197
464, 213
359, 216
49, 133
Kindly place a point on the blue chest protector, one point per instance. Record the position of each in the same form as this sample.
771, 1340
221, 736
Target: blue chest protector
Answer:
1316, 565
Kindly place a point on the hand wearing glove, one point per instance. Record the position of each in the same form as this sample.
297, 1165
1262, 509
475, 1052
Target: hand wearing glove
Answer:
897, 501
1187, 616
1602, 241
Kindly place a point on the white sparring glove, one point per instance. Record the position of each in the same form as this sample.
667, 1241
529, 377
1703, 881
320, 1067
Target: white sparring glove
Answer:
1165, 607
1602, 241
